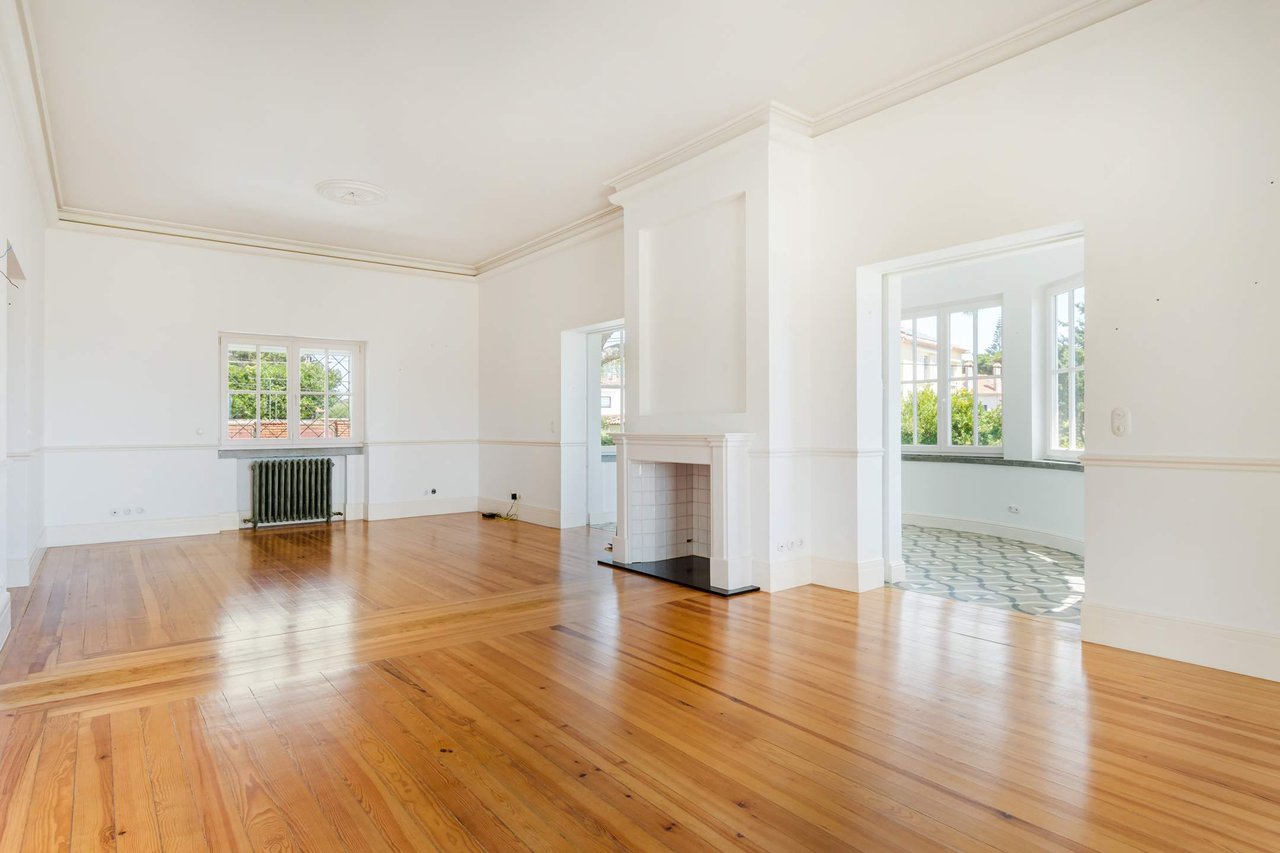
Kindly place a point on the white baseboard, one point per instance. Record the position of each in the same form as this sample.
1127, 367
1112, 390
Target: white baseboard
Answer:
777, 575
737, 571
897, 571
602, 518
990, 528
539, 515
126, 531
411, 509
20, 570
845, 574
6, 615
1255, 653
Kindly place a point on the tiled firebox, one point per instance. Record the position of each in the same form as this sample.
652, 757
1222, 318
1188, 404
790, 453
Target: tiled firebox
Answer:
670, 510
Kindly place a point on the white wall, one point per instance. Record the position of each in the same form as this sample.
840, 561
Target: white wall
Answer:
967, 496
694, 312
132, 386
1158, 131
525, 309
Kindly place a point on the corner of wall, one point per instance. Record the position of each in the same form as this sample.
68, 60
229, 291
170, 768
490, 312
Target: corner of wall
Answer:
777, 575
539, 515
848, 575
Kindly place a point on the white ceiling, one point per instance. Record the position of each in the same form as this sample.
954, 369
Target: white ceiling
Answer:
489, 122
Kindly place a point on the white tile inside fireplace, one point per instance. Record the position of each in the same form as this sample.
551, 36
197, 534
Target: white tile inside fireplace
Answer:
670, 511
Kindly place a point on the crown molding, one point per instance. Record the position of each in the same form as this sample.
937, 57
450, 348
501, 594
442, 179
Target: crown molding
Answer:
585, 228
772, 113
27, 94
239, 239
1037, 34
780, 116
21, 70
587, 225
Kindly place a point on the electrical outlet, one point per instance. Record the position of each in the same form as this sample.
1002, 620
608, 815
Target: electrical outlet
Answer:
1121, 423
1014, 509
515, 496
115, 512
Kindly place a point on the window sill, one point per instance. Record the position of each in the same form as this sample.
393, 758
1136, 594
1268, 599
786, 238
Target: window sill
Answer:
260, 452
975, 459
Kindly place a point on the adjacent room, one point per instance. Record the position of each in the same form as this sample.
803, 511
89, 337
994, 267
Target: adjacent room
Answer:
595, 425
992, 373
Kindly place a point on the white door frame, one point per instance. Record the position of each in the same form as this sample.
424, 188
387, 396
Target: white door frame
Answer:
878, 376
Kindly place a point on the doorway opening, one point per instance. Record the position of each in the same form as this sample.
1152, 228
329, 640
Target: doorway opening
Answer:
983, 401
605, 419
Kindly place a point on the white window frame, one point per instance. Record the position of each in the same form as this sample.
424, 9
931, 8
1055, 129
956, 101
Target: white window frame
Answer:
293, 348
1052, 451
943, 313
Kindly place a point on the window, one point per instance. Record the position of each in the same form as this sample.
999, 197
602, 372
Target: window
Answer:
952, 383
281, 392
611, 379
919, 349
1066, 369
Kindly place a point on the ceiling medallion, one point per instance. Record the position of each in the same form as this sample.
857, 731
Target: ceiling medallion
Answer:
354, 193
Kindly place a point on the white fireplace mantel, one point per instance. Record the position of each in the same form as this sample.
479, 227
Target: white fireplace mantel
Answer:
726, 456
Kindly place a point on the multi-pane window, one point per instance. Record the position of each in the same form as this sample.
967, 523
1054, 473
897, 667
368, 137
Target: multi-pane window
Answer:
611, 378
976, 351
919, 348
952, 383
1066, 370
257, 401
281, 391
324, 399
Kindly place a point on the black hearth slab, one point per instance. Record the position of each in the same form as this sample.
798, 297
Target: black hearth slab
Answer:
687, 571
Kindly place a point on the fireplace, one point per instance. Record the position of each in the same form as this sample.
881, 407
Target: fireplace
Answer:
684, 510
669, 511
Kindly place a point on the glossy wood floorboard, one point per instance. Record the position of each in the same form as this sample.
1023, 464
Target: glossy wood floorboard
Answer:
452, 683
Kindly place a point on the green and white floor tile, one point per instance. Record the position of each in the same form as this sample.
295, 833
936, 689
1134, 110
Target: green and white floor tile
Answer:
993, 571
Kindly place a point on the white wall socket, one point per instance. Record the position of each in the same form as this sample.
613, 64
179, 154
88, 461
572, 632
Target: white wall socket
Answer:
1121, 422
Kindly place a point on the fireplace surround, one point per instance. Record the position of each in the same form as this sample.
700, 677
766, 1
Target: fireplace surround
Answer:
684, 509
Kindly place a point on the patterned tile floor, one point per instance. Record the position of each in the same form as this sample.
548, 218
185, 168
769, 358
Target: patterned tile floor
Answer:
993, 571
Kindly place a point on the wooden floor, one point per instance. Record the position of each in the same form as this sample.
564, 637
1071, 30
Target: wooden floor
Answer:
457, 683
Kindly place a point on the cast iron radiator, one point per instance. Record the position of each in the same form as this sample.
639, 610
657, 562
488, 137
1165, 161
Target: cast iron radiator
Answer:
291, 490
